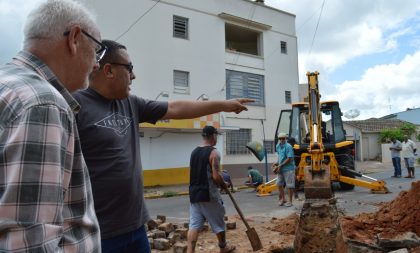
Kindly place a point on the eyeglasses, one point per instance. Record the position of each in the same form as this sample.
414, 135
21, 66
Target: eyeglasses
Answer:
128, 66
100, 50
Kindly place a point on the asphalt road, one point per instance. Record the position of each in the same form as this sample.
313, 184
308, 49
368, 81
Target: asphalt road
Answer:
176, 209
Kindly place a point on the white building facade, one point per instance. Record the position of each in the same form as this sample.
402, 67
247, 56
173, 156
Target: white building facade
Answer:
206, 49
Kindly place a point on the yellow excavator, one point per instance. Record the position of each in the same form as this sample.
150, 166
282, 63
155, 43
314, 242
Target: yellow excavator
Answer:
322, 153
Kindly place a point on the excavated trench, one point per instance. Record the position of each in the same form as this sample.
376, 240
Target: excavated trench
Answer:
396, 225
318, 227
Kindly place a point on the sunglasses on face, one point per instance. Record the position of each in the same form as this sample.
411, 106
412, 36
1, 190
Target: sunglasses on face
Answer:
128, 66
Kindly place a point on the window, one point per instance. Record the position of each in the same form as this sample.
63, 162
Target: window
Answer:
236, 141
288, 97
181, 82
269, 147
180, 27
242, 40
283, 47
245, 85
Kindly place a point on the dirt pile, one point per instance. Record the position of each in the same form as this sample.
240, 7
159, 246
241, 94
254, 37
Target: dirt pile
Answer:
392, 219
285, 226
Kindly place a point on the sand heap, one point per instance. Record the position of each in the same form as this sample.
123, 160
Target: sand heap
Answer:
393, 218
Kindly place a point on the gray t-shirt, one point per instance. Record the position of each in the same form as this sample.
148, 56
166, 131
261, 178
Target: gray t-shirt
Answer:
396, 153
110, 144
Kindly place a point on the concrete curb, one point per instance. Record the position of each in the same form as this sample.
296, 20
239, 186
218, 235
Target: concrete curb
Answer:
172, 193
164, 194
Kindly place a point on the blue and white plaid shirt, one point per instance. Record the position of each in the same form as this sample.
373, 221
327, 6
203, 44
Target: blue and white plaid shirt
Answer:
46, 202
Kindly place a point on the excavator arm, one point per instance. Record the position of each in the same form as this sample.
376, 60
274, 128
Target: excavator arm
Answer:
317, 173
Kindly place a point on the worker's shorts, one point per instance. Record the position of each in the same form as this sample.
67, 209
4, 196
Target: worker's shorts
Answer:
409, 162
286, 177
212, 211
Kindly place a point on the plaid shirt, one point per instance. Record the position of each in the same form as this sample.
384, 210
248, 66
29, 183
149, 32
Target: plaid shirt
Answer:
46, 200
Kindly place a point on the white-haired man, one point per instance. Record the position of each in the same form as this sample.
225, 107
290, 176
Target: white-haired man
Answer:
46, 200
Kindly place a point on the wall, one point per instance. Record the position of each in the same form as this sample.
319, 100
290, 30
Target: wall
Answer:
354, 134
372, 149
155, 53
386, 153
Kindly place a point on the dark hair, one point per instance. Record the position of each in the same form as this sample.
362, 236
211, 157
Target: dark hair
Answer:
250, 167
111, 53
208, 131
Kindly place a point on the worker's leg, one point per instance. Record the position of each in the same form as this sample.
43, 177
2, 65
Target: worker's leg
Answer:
394, 164
280, 184
291, 190
192, 240
398, 166
290, 184
406, 162
223, 245
281, 195
196, 223
214, 212
411, 162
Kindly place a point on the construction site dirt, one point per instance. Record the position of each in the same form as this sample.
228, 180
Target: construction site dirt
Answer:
357, 233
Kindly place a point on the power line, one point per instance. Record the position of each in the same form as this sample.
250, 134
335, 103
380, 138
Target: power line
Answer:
307, 20
316, 29
136, 21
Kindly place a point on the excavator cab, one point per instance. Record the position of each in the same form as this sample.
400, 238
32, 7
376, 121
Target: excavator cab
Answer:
296, 123
322, 153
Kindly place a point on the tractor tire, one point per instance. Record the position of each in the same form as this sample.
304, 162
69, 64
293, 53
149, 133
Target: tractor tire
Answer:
346, 161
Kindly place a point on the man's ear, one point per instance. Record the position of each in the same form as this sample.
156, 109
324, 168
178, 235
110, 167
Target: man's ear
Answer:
107, 70
73, 39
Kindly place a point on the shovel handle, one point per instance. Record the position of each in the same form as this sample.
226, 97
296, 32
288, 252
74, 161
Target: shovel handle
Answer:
238, 209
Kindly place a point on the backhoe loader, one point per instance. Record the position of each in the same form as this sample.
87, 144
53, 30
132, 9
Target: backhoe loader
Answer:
322, 153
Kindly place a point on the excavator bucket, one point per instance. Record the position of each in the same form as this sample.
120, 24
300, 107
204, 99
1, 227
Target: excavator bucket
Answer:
317, 184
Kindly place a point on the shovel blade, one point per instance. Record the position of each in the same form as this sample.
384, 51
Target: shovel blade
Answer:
254, 239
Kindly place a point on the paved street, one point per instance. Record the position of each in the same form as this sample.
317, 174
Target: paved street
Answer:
351, 202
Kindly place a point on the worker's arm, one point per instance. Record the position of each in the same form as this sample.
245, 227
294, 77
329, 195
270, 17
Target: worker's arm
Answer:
188, 109
286, 161
215, 168
289, 153
250, 179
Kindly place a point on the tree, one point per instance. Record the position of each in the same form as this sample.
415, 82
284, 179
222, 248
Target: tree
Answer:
387, 134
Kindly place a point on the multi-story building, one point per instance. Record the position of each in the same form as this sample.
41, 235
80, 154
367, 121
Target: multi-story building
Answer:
206, 49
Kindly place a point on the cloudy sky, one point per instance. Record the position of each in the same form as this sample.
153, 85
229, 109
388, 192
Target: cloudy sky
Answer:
367, 51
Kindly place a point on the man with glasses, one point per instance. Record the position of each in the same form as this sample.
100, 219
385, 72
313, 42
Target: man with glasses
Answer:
46, 202
285, 169
108, 126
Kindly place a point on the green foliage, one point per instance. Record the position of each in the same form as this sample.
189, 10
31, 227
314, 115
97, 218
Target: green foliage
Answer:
387, 134
408, 129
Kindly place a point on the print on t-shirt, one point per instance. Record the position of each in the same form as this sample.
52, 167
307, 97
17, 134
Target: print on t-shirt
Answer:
119, 123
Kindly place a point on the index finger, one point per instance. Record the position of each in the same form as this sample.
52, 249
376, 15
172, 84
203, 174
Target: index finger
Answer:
246, 100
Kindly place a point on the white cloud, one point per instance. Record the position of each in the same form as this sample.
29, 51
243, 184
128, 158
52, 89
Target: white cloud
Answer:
349, 31
383, 89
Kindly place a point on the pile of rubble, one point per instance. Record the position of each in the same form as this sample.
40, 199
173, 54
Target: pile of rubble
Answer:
164, 235
395, 225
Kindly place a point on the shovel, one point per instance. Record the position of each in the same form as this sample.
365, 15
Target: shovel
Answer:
250, 232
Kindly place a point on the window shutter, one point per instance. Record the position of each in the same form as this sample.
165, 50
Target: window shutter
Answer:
180, 27
245, 85
181, 82
288, 97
